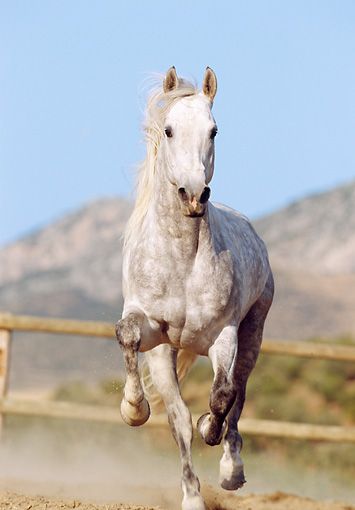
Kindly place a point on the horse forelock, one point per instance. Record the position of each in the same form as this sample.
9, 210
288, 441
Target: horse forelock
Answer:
158, 105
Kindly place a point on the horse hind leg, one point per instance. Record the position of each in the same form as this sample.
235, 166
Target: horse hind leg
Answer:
134, 406
162, 366
249, 341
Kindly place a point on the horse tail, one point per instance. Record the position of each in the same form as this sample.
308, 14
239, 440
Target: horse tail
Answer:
185, 360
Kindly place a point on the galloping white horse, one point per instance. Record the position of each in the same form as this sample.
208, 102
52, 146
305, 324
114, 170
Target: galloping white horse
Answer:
196, 281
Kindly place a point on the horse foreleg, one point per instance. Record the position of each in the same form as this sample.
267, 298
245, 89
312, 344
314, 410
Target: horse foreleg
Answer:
231, 464
231, 474
134, 406
249, 341
162, 367
223, 355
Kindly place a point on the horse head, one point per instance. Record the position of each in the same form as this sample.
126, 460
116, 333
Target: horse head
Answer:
187, 145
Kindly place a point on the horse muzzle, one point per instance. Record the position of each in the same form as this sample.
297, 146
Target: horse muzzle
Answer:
191, 205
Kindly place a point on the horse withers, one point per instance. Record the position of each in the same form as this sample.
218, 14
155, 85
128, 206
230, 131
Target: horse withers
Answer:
196, 281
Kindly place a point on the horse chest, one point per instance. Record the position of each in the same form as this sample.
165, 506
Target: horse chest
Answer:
209, 291
189, 297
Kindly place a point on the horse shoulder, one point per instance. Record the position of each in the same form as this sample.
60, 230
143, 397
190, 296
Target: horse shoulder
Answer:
235, 234
234, 231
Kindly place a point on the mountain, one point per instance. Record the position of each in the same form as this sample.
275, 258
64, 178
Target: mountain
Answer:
316, 234
72, 268
311, 246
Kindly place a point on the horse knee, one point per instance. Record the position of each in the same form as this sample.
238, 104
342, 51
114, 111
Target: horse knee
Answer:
128, 332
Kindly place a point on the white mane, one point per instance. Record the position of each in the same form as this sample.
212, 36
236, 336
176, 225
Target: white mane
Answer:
159, 103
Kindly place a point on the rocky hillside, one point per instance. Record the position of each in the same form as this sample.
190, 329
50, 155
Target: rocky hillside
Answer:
72, 268
311, 245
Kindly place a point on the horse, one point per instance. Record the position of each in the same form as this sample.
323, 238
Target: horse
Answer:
196, 282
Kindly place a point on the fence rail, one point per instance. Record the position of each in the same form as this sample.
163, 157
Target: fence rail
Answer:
10, 323
248, 426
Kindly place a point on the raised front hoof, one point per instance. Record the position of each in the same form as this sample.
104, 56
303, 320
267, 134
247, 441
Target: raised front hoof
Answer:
135, 415
211, 433
193, 503
233, 484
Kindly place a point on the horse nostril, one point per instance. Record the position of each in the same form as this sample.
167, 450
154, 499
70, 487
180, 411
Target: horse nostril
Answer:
205, 195
182, 193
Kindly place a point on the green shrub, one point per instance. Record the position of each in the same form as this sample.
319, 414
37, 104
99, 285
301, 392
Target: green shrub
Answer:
281, 388
108, 392
75, 391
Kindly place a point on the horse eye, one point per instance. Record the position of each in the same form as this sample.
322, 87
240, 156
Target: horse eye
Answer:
168, 132
214, 131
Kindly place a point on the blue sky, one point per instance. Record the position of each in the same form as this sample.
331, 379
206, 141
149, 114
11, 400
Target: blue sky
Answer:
72, 79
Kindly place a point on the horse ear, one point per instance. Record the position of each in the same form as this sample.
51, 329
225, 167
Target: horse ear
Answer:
209, 86
171, 80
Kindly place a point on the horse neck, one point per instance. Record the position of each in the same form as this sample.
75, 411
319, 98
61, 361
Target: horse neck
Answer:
183, 232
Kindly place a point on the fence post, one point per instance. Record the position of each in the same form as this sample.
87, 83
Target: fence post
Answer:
5, 340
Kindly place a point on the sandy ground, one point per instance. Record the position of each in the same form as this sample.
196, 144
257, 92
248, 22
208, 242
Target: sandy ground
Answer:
53, 464
215, 500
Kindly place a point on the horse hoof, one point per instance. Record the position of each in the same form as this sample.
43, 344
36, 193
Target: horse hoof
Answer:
233, 484
202, 424
193, 503
231, 473
211, 435
135, 415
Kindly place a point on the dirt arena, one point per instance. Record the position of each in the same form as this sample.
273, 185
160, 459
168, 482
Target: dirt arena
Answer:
215, 501
54, 464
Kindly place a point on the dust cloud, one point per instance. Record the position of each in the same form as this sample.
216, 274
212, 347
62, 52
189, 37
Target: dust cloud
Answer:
90, 462
106, 463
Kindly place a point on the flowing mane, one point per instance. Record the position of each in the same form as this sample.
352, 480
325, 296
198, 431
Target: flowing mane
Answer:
158, 105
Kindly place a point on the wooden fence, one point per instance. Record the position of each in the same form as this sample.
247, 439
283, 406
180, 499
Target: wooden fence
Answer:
10, 323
